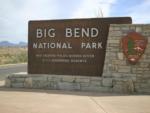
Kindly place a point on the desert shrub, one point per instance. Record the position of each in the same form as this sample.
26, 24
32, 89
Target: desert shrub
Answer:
13, 55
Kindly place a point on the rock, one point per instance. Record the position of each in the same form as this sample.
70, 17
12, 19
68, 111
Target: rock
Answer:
68, 79
107, 82
17, 85
28, 83
124, 86
68, 86
7, 82
96, 89
81, 80
120, 56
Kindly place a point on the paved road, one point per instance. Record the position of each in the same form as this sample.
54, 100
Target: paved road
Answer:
14, 68
48, 101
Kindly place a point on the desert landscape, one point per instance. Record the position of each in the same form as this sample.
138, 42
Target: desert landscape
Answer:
13, 55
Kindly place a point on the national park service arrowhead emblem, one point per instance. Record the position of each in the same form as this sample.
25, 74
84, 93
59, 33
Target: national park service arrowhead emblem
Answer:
133, 45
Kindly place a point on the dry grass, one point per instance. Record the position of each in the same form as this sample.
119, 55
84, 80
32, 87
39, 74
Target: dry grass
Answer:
12, 55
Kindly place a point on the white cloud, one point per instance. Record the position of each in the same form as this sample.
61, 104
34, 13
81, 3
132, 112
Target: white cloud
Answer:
140, 13
93, 8
14, 17
15, 14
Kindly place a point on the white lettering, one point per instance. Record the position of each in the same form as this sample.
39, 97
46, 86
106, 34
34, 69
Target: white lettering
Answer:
94, 32
91, 45
51, 32
40, 46
34, 45
68, 32
85, 32
43, 33
39, 33
82, 45
52, 45
94, 45
100, 45
82, 32
76, 32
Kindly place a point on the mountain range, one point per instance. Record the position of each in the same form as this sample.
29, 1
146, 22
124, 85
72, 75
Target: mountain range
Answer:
10, 44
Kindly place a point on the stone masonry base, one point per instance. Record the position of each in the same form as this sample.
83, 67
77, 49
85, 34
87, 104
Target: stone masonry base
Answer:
64, 82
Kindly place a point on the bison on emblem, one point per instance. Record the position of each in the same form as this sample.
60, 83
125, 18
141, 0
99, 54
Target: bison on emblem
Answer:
133, 45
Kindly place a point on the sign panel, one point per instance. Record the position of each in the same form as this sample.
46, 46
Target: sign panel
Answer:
69, 47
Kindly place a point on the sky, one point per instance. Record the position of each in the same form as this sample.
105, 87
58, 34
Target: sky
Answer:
15, 14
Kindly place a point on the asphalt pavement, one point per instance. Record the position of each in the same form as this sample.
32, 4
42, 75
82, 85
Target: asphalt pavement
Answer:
5, 70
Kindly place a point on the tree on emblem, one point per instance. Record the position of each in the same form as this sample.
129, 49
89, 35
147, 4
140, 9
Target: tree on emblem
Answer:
131, 47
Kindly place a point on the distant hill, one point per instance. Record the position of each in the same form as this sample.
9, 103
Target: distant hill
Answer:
9, 44
24, 44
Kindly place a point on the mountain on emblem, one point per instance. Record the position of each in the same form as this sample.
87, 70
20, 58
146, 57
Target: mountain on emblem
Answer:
133, 45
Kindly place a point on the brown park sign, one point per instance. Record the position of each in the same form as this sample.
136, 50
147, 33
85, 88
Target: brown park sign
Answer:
69, 47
